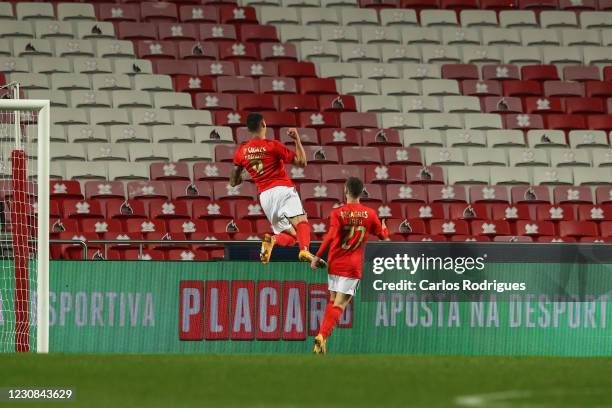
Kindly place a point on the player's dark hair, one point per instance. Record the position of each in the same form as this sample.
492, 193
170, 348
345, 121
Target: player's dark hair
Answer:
253, 121
354, 187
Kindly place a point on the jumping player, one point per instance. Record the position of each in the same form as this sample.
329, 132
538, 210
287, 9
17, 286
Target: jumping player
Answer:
265, 161
348, 232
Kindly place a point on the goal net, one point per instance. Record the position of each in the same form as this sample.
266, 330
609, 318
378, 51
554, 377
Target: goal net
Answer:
24, 215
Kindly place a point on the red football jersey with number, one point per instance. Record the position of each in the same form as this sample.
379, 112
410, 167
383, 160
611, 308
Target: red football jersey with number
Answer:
349, 227
265, 161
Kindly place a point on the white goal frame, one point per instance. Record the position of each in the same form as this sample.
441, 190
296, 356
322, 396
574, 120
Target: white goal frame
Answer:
42, 175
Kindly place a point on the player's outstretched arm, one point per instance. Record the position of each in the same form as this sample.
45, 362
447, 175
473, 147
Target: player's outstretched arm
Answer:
300, 154
236, 176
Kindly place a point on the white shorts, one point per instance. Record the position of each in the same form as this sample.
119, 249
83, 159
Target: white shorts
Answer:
342, 284
279, 204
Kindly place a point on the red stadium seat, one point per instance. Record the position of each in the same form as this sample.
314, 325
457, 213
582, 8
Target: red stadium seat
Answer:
584, 106
301, 69
358, 120
186, 190
406, 156
406, 227
215, 101
425, 211
543, 105
419, 4
563, 88
224, 153
186, 255
147, 190
446, 193
597, 213
308, 136
145, 226
473, 87
174, 31
249, 211
308, 174
603, 194
298, 103
600, 122
100, 226
424, 175
565, 122
145, 255
403, 193
573, 195
539, 73
319, 119
277, 120
372, 193
523, 121
510, 212
460, 71
488, 194
490, 227
223, 191
277, 85
502, 104
231, 226
258, 69
464, 211
66, 224
573, 5
167, 209
195, 50
500, 72
207, 209
128, 30
104, 189
535, 228
60, 189
187, 227
538, 4
198, 14
236, 51
257, 102
581, 73
338, 173
556, 239
599, 88
498, 4
317, 86
388, 210
522, 88
277, 52
156, 49
449, 227
231, 119
191, 83
321, 192
118, 12
340, 137
578, 229
381, 137
530, 194
81, 209
380, 174
124, 209
236, 85
218, 32
361, 155
337, 103
158, 11
237, 15
606, 229
554, 213
175, 68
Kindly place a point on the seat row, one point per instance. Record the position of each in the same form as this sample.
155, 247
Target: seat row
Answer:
141, 11
307, 16
320, 51
185, 189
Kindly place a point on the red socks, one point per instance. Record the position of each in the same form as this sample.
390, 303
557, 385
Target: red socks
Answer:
284, 239
303, 235
330, 318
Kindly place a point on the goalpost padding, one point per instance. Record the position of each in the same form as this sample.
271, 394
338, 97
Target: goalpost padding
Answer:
30, 300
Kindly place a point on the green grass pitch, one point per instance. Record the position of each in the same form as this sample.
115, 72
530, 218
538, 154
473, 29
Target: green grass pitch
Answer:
313, 381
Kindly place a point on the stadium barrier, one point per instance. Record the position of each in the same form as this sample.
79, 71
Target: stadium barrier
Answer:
246, 307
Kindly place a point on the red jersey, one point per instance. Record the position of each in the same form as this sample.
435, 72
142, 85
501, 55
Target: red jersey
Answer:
265, 161
349, 226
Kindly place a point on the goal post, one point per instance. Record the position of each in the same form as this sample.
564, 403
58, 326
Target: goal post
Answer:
24, 222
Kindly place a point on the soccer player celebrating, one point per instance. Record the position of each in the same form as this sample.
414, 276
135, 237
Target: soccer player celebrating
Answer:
349, 227
265, 161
